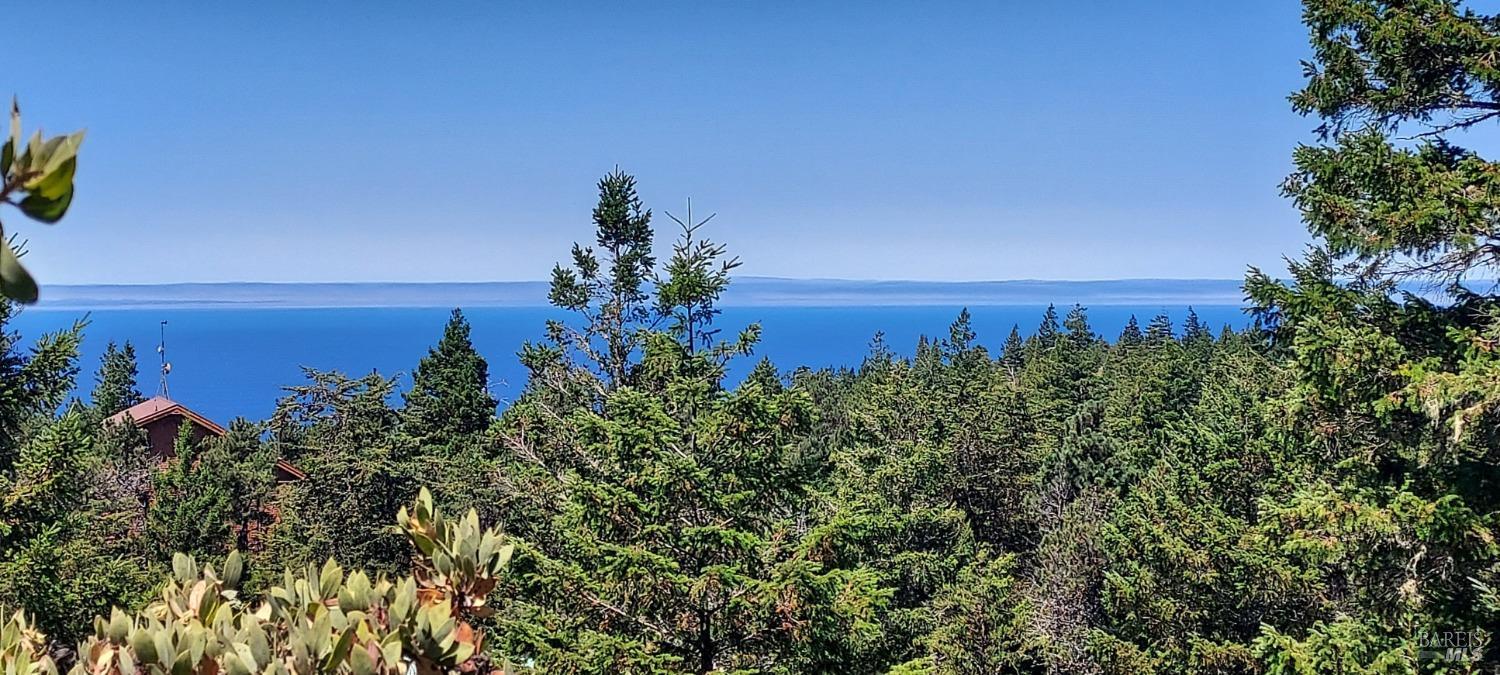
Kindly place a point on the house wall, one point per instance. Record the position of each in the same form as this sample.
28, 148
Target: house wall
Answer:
161, 434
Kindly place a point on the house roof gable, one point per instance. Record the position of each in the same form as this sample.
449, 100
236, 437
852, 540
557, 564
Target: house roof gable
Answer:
158, 407
161, 407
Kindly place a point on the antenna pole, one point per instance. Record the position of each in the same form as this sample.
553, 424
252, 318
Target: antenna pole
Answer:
166, 368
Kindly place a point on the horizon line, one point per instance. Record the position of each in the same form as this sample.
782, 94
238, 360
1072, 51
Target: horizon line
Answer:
547, 281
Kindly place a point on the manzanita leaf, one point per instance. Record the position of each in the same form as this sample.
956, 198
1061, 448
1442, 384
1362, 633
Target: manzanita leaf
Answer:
234, 567
56, 182
45, 209
15, 282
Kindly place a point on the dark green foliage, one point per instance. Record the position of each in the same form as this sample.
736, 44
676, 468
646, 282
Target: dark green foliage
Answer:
1383, 72
449, 396
212, 495
1047, 332
243, 466
978, 627
343, 434
191, 509
53, 563
610, 294
672, 509
1013, 354
1159, 330
678, 548
1087, 454
1193, 330
1131, 335
33, 385
1392, 393
115, 383
695, 276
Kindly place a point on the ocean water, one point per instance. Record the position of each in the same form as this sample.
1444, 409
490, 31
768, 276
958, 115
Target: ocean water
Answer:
233, 362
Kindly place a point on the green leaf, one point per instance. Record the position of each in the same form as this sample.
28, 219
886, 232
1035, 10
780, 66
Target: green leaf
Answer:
145, 648
63, 149
361, 663
127, 663
15, 282
234, 567
47, 210
330, 579
119, 626
260, 646
340, 650
29, 155
423, 544
163, 642
234, 666
183, 665
56, 182
463, 651
184, 568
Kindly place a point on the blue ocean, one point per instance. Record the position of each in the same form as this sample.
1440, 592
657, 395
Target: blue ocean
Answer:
233, 361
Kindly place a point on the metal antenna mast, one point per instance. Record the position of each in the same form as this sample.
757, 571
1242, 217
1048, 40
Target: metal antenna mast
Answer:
166, 367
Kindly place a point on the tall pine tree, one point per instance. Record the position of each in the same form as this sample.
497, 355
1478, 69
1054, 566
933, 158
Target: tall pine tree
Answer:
676, 505
609, 293
115, 383
449, 396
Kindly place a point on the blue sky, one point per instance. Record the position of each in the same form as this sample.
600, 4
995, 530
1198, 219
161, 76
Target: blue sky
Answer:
399, 141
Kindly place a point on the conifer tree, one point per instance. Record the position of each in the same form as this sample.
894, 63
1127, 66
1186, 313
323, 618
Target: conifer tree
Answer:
32, 385
674, 503
449, 397
342, 433
1396, 393
610, 294
51, 563
696, 274
1193, 330
1131, 335
977, 624
245, 466
1080, 334
115, 383
764, 375
1047, 333
961, 333
1013, 355
880, 356
966, 357
1063, 376
1159, 330
1086, 456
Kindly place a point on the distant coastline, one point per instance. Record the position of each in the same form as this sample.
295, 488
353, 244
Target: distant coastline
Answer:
744, 292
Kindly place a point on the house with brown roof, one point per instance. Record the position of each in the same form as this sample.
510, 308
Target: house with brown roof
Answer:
162, 418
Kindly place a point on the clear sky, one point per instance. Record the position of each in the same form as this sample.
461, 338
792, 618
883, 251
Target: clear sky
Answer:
406, 141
